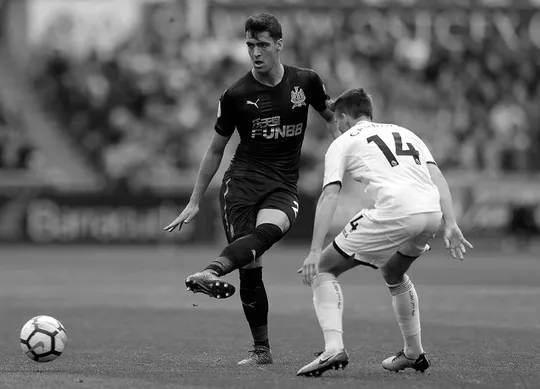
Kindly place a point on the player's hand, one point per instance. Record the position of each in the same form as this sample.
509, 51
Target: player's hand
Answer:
455, 242
310, 268
189, 212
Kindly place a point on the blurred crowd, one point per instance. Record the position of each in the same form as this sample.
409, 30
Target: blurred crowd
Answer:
15, 147
148, 108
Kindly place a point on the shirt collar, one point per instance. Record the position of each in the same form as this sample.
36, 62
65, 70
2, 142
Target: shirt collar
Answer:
360, 121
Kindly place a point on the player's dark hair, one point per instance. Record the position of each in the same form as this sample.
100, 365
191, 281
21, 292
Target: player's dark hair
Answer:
259, 23
354, 102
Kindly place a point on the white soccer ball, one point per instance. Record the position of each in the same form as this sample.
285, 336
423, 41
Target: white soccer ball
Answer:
43, 338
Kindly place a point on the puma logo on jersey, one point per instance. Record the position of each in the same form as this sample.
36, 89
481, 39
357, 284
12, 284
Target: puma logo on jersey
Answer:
248, 102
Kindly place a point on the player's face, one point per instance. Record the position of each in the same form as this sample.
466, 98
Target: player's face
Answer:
263, 51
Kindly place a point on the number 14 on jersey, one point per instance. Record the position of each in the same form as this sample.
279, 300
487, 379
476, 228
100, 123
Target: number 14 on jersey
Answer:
392, 160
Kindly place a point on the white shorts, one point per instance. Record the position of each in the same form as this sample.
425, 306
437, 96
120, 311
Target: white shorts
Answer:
373, 242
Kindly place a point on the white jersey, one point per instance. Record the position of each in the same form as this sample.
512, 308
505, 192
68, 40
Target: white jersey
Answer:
391, 162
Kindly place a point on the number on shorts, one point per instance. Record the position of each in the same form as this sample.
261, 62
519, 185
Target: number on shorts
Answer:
354, 224
392, 160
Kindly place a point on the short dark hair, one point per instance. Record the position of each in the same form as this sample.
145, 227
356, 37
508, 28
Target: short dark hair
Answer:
259, 23
355, 102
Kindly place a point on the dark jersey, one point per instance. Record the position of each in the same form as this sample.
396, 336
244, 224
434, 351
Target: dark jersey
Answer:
271, 122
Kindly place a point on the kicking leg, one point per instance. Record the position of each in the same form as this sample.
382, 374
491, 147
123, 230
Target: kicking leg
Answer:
270, 228
271, 225
406, 309
328, 303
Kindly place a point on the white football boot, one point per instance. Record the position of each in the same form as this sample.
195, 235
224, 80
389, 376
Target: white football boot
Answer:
401, 362
325, 361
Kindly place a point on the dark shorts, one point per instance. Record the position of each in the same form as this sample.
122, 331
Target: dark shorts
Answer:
241, 198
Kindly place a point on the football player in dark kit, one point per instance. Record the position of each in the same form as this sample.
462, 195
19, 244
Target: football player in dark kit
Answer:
259, 201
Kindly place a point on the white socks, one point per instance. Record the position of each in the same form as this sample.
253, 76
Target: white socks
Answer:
406, 309
328, 303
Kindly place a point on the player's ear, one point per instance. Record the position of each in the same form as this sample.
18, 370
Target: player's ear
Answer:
279, 45
347, 119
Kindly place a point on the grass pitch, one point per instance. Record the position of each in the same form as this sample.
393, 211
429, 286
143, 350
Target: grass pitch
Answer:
131, 324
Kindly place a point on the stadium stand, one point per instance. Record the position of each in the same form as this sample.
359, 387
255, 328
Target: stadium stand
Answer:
148, 110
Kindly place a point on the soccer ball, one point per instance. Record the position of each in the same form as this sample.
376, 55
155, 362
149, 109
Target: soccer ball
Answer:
43, 338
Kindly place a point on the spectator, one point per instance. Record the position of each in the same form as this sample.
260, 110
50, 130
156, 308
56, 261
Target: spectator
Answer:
147, 110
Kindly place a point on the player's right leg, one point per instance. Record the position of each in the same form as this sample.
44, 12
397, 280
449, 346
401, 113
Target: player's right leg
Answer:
328, 303
359, 235
404, 297
279, 208
255, 306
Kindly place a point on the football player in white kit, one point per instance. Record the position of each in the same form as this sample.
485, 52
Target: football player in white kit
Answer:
412, 201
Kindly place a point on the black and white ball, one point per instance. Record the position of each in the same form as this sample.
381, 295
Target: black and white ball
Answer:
43, 338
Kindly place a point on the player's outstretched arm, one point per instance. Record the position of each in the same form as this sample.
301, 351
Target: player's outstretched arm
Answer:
326, 207
453, 237
207, 170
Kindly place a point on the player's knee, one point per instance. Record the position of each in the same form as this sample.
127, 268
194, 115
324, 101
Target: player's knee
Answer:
396, 267
267, 234
286, 225
274, 216
391, 275
333, 270
321, 278
332, 262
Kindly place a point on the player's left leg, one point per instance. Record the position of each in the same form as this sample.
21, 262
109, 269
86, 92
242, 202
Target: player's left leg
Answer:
328, 303
406, 308
271, 227
253, 222
253, 293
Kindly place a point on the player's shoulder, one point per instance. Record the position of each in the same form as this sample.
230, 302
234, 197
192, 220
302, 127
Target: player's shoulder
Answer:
336, 148
403, 129
304, 74
239, 87
413, 136
342, 142
407, 134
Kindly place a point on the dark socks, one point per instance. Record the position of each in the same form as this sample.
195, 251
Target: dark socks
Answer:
255, 304
246, 249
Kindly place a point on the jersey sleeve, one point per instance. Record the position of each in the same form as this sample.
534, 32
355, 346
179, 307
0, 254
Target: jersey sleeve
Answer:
317, 91
334, 165
225, 123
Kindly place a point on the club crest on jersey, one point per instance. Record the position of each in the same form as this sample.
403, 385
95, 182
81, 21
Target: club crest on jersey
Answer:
298, 98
